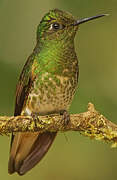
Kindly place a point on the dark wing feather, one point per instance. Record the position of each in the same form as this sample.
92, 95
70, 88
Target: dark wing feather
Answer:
23, 87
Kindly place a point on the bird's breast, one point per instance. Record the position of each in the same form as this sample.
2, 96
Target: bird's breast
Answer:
52, 93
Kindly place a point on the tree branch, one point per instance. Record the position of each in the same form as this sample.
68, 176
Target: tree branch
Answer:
90, 123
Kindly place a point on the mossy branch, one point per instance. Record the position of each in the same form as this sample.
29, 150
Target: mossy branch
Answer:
90, 123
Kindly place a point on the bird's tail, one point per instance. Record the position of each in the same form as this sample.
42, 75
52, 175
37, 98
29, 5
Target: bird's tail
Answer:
27, 149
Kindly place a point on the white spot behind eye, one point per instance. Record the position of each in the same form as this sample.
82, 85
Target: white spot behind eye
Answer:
51, 27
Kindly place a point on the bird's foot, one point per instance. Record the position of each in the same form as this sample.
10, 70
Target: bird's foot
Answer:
35, 119
65, 117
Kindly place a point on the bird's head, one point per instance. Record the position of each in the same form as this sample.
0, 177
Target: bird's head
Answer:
59, 25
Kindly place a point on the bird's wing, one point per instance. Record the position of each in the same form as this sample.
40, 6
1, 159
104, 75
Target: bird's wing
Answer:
24, 85
22, 89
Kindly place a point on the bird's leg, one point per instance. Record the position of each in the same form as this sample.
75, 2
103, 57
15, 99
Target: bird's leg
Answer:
65, 117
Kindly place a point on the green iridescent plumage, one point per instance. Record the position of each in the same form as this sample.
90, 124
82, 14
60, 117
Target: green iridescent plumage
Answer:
53, 65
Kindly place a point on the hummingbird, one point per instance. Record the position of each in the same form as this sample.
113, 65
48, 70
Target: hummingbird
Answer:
47, 85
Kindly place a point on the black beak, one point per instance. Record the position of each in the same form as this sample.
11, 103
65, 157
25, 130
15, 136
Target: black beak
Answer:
88, 19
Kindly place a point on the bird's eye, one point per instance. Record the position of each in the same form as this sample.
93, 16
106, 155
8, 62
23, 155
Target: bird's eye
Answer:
56, 26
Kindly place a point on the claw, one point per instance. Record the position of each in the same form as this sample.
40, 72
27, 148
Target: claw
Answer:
65, 117
35, 119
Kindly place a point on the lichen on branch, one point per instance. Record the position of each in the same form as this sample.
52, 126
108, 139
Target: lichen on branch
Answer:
90, 123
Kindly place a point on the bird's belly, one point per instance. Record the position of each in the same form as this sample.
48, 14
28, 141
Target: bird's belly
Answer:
50, 97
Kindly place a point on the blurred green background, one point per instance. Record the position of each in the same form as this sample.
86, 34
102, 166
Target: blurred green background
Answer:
96, 43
